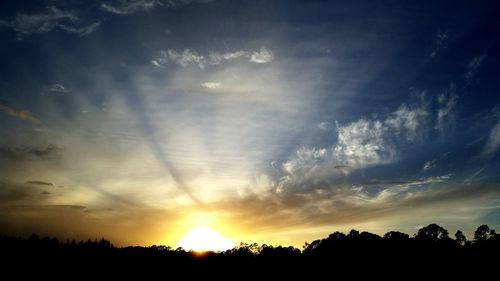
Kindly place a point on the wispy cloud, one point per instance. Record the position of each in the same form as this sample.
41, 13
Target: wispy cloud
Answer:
125, 7
447, 102
262, 56
474, 176
429, 165
441, 41
473, 67
80, 31
407, 120
324, 126
493, 141
185, 58
56, 88
48, 19
189, 57
349, 205
18, 113
31, 152
211, 85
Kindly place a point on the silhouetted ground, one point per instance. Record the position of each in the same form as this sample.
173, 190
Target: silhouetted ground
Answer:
430, 254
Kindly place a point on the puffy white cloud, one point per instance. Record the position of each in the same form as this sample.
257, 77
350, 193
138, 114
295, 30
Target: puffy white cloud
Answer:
262, 56
360, 144
364, 143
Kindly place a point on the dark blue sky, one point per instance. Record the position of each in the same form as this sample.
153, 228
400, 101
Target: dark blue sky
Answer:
274, 121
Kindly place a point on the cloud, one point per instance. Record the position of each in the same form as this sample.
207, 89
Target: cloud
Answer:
158, 62
441, 42
473, 67
189, 57
211, 85
360, 144
51, 17
429, 165
18, 113
407, 119
56, 88
372, 202
364, 143
324, 126
474, 176
186, 58
30, 152
126, 7
40, 183
234, 55
447, 102
493, 141
80, 31
262, 56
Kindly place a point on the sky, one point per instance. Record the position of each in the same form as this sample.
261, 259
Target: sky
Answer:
271, 121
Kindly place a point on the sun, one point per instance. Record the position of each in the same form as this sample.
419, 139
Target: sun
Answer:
202, 239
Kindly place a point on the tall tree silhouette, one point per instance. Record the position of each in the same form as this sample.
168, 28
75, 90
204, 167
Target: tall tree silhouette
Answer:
460, 238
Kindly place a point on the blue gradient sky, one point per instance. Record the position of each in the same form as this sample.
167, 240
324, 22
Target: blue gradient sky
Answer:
269, 121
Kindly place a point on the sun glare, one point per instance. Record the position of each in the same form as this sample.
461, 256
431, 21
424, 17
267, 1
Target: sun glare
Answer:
203, 239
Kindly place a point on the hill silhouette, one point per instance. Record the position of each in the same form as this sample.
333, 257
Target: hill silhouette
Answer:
428, 253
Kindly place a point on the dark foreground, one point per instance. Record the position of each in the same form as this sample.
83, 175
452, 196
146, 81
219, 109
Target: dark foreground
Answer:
430, 254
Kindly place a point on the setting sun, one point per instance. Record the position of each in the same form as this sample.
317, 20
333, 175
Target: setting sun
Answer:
202, 239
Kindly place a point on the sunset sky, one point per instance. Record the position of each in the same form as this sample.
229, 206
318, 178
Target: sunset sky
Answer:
267, 121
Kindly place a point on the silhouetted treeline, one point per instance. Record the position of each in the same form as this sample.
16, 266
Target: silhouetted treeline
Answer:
359, 254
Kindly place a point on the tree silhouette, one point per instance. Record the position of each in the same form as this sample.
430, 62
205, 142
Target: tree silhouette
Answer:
429, 251
460, 238
432, 232
396, 236
481, 233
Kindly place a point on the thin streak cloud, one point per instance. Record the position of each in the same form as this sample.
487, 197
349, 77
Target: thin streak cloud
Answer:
22, 114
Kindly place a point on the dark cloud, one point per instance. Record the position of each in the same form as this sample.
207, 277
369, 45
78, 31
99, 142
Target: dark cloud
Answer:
45, 193
13, 193
40, 183
31, 152
10, 195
